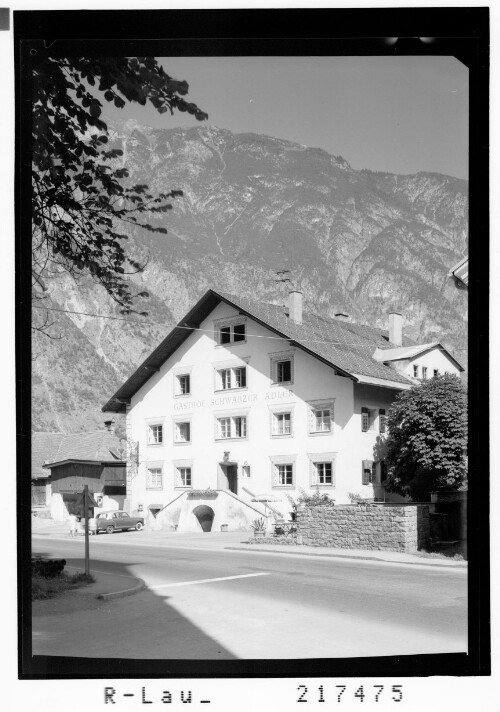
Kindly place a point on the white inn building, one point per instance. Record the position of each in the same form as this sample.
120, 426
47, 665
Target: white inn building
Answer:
245, 402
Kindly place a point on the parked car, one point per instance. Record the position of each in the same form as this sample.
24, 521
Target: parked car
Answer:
114, 521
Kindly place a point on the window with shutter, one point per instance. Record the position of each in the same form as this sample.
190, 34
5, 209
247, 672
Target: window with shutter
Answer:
382, 422
364, 419
182, 432
367, 472
368, 418
155, 434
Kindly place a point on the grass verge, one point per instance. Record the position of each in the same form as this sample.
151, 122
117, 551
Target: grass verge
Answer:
43, 588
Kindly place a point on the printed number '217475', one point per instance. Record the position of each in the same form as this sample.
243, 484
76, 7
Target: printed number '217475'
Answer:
374, 693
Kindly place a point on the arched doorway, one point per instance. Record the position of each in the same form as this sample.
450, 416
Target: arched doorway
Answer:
205, 516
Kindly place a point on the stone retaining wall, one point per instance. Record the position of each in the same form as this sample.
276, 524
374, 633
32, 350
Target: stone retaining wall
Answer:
390, 528
292, 540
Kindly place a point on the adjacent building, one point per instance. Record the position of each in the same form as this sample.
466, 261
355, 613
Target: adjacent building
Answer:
44, 447
460, 273
71, 461
245, 405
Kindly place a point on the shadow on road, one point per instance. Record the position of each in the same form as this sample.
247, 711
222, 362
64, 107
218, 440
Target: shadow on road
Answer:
76, 632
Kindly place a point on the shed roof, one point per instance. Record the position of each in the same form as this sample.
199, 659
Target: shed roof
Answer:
49, 449
43, 448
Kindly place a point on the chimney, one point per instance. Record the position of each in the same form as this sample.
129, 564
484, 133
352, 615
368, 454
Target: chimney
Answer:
295, 306
342, 316
109, 423
396, 328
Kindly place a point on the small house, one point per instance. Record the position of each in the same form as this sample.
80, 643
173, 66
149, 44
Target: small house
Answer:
95, 459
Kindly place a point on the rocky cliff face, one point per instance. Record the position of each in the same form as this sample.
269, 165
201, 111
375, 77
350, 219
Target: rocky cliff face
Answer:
361, 241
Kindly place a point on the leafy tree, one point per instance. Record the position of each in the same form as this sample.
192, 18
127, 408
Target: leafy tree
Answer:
427, 439
80, 192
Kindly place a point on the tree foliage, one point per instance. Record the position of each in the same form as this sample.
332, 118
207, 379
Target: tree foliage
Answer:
80, 190
427, 439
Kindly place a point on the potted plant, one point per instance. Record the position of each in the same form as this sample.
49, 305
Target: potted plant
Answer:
295, 506
355, 498
259, 527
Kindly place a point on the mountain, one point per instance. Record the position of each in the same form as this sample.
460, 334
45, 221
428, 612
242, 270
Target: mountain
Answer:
360, 241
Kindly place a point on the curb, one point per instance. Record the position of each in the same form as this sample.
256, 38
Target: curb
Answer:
140, 585
424, 562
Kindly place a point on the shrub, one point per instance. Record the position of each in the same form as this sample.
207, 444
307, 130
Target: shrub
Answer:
427, 439
315, 500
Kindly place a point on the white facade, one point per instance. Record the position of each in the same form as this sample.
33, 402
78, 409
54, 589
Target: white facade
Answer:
216, 416
420, 362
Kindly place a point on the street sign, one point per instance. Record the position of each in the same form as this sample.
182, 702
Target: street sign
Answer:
80, 500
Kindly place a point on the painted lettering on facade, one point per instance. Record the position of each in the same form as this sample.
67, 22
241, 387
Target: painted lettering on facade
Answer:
188, 405
234, 399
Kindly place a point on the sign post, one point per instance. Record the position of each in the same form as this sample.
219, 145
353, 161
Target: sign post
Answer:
86, 505
87, 501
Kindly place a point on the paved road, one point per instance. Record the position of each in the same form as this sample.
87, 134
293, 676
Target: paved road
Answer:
208, 604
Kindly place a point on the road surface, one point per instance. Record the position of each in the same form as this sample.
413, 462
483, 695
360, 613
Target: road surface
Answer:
209, 604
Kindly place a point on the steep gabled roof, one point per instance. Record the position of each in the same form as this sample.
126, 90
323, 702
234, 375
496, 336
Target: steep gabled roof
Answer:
98, 446
347, 348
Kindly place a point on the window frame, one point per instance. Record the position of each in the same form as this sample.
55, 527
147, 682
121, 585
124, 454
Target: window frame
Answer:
155, 423
179, 391
232, 417
424, 373
371, 478
182, 421
321, 405
228, 326
415, 370
278, 420
231, 377
182, 472
322, 458
324, 474
286, 469
281, 357
283, 460
382, 421
372, 425
179, 465
150, 466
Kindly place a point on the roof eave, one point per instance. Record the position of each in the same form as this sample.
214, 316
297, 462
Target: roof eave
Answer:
373, 381
76, 461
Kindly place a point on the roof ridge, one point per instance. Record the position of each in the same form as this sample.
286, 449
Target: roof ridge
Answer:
329, 319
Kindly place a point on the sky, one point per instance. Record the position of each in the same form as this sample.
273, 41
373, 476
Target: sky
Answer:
395, 114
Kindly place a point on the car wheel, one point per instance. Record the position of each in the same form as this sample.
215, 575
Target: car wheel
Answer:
110, 529
139, 526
